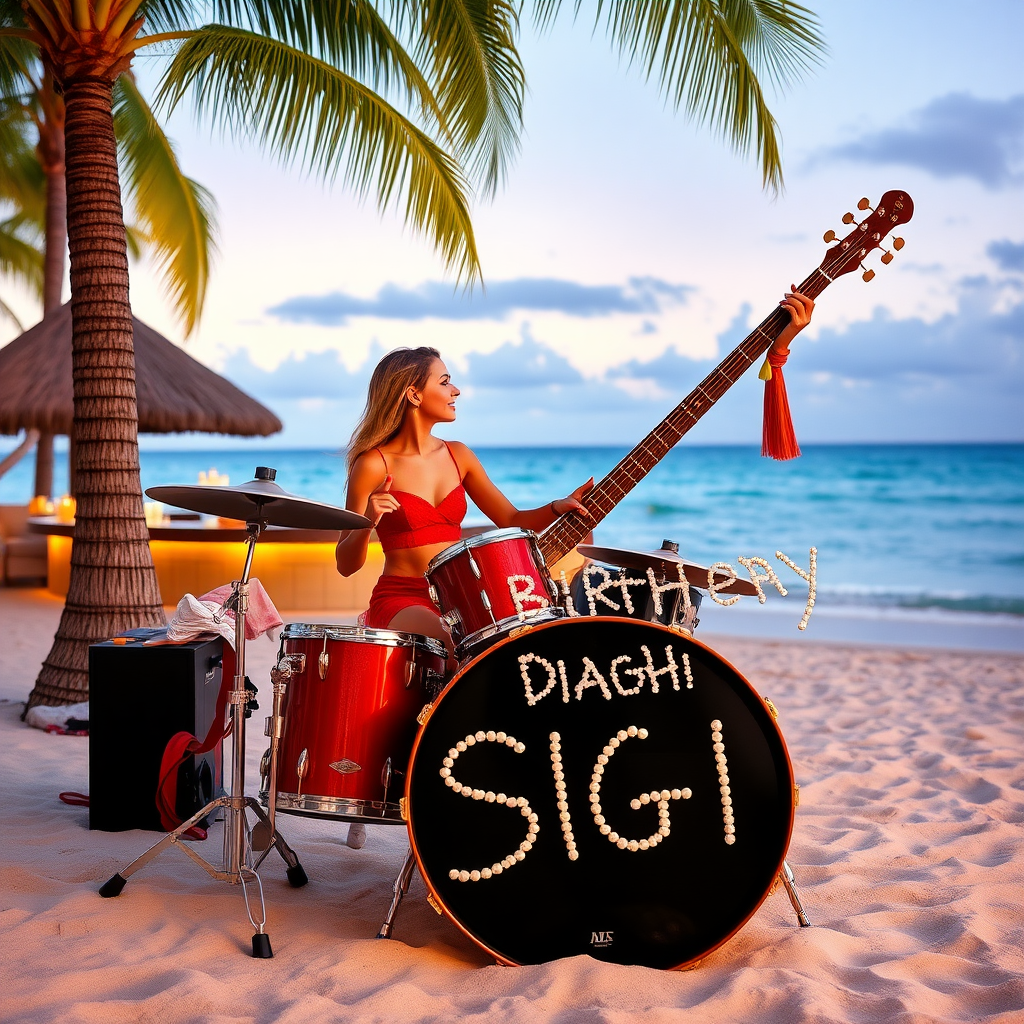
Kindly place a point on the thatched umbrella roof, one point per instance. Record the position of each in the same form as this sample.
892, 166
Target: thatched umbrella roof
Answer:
175, 392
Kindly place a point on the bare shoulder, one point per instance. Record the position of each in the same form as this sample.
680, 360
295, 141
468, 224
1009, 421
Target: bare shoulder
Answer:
368, 469
464, 456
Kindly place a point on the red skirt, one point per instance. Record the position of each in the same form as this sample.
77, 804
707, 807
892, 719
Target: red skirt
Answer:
392, 594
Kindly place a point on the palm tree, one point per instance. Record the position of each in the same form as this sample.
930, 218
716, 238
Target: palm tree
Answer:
173, 216
323, 83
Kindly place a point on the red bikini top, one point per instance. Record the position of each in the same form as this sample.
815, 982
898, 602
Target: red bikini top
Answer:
417, 522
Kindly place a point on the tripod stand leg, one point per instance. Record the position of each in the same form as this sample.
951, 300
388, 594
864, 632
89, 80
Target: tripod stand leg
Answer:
400, 889
114, 884
794, 897
297, 876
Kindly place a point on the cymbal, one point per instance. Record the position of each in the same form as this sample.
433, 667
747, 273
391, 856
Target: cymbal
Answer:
664, 561
260, 499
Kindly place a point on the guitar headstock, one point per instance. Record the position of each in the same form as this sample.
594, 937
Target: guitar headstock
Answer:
893, 209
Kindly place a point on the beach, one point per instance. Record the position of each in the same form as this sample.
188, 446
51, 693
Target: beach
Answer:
906, 850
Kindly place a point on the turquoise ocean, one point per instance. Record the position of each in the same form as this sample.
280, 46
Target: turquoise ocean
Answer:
921, 544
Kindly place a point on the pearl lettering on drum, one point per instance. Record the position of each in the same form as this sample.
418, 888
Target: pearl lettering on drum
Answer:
520, 598
728, 818
592, 676
532, 828
659, 797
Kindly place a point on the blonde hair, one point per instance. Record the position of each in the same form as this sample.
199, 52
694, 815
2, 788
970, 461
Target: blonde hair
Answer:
398, 371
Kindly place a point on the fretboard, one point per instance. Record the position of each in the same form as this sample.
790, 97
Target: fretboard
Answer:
568, 530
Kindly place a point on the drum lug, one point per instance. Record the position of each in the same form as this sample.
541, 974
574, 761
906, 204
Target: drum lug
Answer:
432, 591
410, 672
403, 809
288, 665
387, 775
265, 768
796, 794
431, 899
772, 710
323, 662
421, 718
486, 602
302, 768
519, 631
474, 567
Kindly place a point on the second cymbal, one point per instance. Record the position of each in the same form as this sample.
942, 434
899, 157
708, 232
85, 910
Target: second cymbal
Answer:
665, 561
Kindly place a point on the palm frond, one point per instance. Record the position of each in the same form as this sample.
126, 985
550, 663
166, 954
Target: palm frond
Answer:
19, 257
170, 15
175, 213
351, 35
17, 55
698, 49
707, 55
22, 180
476, 74
304, 110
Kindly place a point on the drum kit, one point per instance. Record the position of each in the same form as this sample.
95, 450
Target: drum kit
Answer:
590, 779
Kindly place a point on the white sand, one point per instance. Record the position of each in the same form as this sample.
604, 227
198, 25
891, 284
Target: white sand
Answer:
907, 849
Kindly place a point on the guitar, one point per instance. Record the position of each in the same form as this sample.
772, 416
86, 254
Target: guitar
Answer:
894, 208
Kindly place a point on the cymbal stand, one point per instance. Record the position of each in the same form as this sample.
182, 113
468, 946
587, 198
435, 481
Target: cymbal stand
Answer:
240, 860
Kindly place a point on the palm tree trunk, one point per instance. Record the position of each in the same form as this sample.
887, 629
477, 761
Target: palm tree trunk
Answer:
51, 154
113, 585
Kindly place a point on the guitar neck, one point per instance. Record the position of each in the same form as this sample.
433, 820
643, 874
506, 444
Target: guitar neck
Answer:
568, 530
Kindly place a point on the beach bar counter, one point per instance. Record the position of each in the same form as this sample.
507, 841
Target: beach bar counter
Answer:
196, 555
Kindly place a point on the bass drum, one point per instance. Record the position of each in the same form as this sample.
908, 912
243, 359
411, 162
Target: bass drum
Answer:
602, 786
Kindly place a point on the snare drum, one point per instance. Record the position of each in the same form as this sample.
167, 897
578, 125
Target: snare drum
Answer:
603, 786
485, 586
350, 718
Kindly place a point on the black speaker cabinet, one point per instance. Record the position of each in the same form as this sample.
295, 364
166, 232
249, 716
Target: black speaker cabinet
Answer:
139, 697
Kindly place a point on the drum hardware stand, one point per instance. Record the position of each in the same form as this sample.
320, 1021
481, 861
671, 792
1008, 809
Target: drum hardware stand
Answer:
786, 875
239, 863
401, 887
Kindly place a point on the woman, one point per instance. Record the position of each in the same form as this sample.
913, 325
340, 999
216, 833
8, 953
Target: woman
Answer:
412, 486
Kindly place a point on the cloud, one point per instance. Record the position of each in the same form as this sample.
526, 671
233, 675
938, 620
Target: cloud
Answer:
438, 300
315, 375
979, 346
674, 369
953, 136
1009, 256
529, 364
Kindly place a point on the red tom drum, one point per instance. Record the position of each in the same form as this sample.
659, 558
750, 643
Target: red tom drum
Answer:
485, 586
350, 718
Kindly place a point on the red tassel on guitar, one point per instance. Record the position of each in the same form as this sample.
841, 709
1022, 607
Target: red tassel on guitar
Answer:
778, 441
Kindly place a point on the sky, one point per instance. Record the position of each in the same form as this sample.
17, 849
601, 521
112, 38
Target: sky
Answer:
630, 250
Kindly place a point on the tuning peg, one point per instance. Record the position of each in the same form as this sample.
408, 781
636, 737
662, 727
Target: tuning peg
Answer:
868, 274
898, 243
829, 236
848, 218
887, 257
865, 204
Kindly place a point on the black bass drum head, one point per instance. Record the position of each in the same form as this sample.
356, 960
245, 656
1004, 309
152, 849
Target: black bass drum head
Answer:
600, 786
